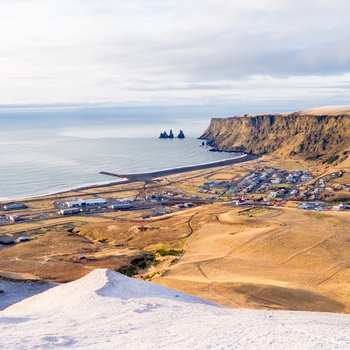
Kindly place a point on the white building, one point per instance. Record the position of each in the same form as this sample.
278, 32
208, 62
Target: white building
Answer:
95, 201
74, 204
69, 211
85, 202
341, 206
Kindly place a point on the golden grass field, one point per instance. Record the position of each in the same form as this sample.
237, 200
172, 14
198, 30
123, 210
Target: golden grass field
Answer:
267, 258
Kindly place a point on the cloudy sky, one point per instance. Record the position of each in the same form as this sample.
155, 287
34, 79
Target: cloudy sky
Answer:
268, 54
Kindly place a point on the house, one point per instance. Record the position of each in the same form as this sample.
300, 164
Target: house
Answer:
74, 204
306, 178
170, 193
95, 201
250, 188
240, 201
125, 200
180, 205
14, 218
7, 240
306, 206
341, 206
290, 178
80, 257
85, 202
14, 206
120, 206
256, 181
23, 239
69, 211
276, 181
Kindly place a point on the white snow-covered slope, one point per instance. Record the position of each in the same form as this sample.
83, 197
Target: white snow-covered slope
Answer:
15, 291
106, 310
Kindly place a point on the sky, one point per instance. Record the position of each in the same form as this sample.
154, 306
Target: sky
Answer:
250, 55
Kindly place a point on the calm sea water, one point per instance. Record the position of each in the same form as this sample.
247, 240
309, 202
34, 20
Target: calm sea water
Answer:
50, 151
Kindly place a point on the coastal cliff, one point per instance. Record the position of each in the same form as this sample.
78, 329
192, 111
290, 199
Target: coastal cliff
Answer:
316, 133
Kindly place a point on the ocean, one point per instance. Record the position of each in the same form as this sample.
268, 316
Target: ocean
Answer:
46, 151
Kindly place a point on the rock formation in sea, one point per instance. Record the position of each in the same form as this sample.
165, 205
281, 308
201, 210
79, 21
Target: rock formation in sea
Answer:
165, 135
181, 135
317, 133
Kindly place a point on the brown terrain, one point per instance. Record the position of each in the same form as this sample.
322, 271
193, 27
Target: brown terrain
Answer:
267, 258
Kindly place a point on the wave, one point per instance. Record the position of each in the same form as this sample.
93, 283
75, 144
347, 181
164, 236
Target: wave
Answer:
58, 190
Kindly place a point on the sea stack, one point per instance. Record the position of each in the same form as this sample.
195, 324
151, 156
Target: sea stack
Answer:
164, 135
181, 135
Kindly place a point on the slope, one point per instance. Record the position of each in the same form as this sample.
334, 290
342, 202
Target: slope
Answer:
105, 310
267, 258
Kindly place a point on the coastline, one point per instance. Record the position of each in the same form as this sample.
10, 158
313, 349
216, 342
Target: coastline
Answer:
147, 177
143, 177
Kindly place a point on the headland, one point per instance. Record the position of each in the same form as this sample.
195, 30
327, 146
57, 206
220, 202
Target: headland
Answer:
321, 133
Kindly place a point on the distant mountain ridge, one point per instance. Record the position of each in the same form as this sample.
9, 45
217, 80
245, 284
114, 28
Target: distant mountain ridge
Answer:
315, 133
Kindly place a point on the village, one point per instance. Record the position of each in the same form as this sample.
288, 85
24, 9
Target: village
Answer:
273, 186
265, 186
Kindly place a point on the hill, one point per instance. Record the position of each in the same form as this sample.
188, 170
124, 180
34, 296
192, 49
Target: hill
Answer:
106, 310
320, 133
266, 258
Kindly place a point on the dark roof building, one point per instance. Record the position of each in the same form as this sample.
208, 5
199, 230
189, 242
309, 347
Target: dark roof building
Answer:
7, 240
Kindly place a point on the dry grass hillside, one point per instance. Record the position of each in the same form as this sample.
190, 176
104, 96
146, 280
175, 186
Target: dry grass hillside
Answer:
125, 245
53, 257
267, 258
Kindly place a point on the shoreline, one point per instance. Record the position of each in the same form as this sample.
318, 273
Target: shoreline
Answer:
147, 177
143, 177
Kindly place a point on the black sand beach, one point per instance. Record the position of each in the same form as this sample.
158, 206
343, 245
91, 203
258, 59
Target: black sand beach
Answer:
147, 177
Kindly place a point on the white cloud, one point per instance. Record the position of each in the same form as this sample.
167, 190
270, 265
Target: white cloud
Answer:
166, 52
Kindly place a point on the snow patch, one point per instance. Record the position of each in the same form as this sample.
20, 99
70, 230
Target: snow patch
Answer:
106, 310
